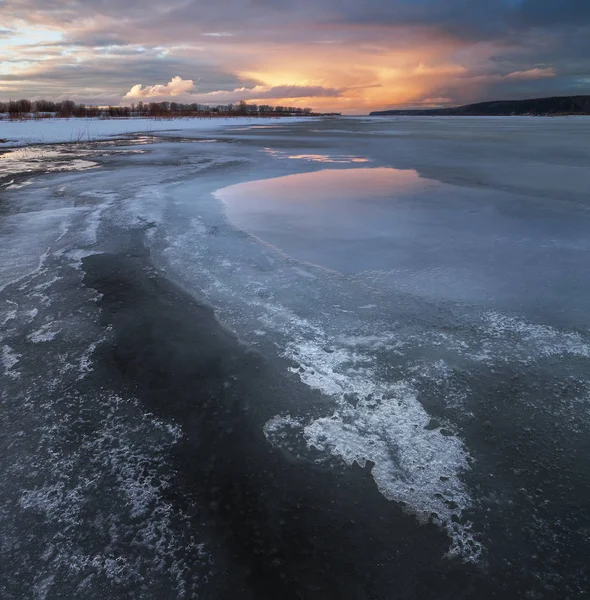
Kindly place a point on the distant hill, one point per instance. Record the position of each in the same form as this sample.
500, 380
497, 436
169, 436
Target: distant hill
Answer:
559, 105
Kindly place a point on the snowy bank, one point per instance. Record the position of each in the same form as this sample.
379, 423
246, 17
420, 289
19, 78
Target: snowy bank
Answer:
52, 131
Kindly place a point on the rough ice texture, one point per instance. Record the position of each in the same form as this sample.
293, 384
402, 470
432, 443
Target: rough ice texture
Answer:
91, 470
414, 463
25, 160
86, 502
374, 416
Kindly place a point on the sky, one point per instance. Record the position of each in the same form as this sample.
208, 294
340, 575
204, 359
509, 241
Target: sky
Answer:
331, 55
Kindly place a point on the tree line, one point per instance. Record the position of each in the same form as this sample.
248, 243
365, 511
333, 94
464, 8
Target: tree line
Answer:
555, 105
20, 109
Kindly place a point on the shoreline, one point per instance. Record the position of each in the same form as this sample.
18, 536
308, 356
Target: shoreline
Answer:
15, 134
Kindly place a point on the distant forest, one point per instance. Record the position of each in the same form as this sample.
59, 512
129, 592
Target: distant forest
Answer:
27, 109
558, 105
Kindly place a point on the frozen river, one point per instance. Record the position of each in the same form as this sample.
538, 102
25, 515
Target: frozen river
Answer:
337, 358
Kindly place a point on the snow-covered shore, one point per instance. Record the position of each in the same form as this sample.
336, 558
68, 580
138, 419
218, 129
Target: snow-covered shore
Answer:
53, 131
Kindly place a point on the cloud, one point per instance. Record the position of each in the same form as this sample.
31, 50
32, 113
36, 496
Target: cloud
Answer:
442, 69
436, 101
185, 91
531, 74
343, 54
175, 87
261, 92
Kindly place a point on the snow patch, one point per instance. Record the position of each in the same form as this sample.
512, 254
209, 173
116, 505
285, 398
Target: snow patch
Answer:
10, 358
51, 131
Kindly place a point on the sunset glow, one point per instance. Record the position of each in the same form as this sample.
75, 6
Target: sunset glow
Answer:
329, 55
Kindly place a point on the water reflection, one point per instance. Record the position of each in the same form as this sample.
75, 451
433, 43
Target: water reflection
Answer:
337, 218
332, 186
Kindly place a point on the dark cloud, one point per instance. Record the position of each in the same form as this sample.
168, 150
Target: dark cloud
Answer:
491, 18
298, 91
550, 13
145, 68
121, 44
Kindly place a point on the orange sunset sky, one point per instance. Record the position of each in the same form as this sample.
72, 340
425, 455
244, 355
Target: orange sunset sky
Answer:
338, 55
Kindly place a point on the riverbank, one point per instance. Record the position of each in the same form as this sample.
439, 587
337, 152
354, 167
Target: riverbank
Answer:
77, 130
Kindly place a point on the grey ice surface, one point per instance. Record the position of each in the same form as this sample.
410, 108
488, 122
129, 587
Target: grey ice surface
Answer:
486, 212
426, 277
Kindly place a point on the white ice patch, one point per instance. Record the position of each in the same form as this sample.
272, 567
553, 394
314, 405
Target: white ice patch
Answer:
530, 341
25, 249
41, 158
75, 257
18, 186
317, 158
8, 313
10, 359
112, 465
145, 208
415, 463
46, 333
95, 216
304, 273
85, 361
